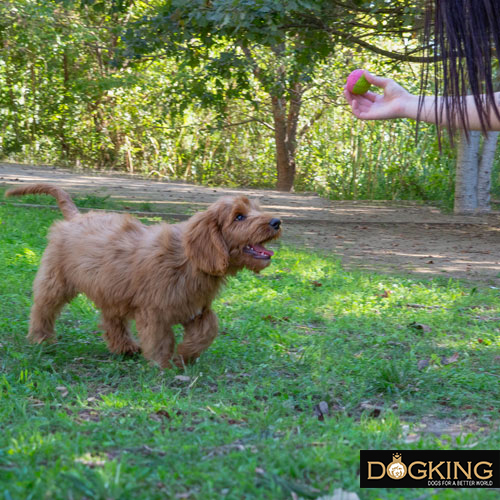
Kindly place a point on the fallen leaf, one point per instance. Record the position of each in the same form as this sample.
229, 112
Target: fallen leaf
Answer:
36, 402
272, 319
151, 451
160, 415
480, 341
421, 327
88, 416
187, 494
321, 410
423, 363
316, 283
420, 306
374, 410
451, 359
233, 421
91, 461
340, 494
228, 448
63, 390
385, 294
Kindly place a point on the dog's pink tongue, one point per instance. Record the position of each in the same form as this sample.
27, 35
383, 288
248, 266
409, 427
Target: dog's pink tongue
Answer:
261, 249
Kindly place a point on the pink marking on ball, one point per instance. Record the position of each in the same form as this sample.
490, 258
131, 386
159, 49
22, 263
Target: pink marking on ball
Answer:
357, 83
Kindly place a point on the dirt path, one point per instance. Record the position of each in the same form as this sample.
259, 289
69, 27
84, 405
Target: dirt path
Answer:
380, 236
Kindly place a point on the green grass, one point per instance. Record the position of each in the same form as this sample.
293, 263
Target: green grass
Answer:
78, 422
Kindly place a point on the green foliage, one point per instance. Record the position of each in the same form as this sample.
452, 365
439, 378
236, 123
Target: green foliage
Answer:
274, 46
78, 422
147, 87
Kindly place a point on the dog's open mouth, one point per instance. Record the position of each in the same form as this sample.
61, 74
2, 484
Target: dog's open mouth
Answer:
258, 251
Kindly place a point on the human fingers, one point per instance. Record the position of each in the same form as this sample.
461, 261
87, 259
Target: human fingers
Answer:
378, 81
348, 96
361, 107
361, 111
371, 96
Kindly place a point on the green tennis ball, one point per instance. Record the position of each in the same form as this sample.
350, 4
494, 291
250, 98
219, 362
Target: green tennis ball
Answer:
357, 83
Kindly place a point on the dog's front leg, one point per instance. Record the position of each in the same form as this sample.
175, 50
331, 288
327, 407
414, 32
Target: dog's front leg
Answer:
156, 337
117, 334
199, 333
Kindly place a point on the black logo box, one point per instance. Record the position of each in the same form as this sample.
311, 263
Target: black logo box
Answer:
386, 457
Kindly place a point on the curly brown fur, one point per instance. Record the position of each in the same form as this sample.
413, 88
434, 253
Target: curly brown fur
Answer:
159, 275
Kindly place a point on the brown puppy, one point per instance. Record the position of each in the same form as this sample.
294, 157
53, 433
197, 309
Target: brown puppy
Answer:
159, 275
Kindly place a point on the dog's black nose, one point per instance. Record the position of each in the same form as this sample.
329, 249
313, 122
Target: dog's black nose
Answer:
275, 223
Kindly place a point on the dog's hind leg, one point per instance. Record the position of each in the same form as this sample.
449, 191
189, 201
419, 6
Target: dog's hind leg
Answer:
156, 337
50, 295
117, 335
199, 333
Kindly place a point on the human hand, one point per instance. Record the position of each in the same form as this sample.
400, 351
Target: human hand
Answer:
371, 106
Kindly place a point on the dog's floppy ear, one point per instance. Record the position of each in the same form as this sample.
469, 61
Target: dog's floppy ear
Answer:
204, 244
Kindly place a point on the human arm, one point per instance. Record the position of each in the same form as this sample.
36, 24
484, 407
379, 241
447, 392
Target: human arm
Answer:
396, 102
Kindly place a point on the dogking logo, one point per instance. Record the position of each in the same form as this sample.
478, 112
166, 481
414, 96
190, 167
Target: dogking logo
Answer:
397, 469
430, 469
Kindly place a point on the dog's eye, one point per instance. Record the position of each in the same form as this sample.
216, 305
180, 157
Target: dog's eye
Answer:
240, 217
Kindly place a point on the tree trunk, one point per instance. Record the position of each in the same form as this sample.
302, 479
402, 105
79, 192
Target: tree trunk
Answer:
65, 147
34, 97
466, 173
14, 112
484, 171
285, 163
285, 135
285, 124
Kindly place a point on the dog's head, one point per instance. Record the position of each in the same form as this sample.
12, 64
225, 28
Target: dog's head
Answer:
229, 236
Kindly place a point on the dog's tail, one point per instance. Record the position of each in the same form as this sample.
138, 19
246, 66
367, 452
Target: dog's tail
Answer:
64, 201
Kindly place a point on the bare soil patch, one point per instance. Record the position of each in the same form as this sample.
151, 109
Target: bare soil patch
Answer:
379, 236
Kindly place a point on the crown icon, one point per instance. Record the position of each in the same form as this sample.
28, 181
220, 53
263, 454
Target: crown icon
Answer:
396, 456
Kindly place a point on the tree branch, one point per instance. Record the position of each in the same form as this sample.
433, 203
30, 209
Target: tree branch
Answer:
256, 70
311, 122
250, 120
387, 53
356, 8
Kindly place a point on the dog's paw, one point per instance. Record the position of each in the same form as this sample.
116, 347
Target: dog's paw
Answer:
131, 350
41, 337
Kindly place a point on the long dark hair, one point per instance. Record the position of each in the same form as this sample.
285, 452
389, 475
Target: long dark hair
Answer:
463, 37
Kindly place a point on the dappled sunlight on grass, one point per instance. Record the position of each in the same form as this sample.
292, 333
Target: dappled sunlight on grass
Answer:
27, 256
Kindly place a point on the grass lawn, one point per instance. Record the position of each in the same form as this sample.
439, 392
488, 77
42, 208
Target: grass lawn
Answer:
402, 363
